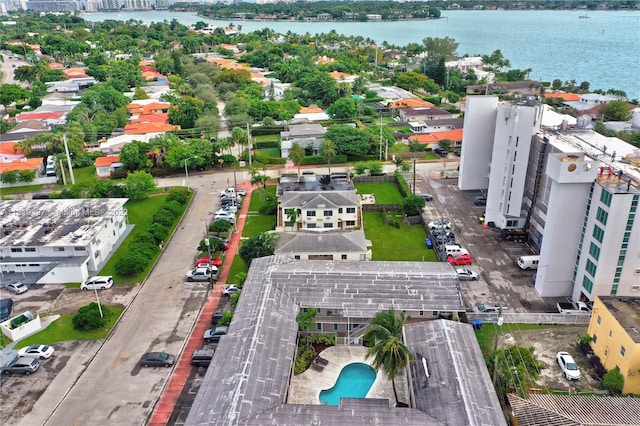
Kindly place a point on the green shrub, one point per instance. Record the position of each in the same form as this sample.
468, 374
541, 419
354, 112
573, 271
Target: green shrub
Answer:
266, 144
226, 318
173, 206
613, 381
88, 317
304, 356
131, 264
318, 159
163, 217
214, 244
158, 231
277, 160
261, 131
402, 185
178, 195
270, 206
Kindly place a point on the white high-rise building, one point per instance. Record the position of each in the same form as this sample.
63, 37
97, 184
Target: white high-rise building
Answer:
567, 189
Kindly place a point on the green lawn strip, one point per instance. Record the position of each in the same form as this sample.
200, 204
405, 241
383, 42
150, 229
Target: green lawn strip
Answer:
270, 152
237, 267
258, 224
266, 138
141, 214
258, 197
488, 335
79, 174
20, 189
390, 243
385, 193
62, 330
431, 156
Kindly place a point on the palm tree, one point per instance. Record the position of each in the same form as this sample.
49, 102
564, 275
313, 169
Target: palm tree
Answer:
388, 351
292, 216
296, 155
328, 152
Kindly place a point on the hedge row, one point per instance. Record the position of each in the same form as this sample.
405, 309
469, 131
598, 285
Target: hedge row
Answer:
317, 159
261, 131
149, 242
402, 185
266, 144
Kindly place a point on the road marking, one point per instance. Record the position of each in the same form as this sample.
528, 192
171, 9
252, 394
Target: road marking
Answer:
117, 361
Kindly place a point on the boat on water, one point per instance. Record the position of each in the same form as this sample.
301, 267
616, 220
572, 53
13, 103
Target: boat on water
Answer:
585, 16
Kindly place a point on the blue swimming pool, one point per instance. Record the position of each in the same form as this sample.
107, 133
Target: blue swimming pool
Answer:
354, 381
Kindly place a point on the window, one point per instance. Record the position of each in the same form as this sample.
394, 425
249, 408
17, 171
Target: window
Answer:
598, 320
591, 268
587, 284
350, 223
340, 210
58, 249
328, 225
288, 224
614, 290
311, 226
622, 351
602, 216
610, 333
606, 197
343, 257
335, 327
79, 249
30, 249
296, 257
328, 213
595, 338
598, 233
421, 313
16, 250
319, 326
594, 251
512, 223
311, 213
351, 210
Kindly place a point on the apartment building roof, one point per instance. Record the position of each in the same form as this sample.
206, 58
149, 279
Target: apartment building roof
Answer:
319, 199
331, 242
21, 164
626, 310
55, 222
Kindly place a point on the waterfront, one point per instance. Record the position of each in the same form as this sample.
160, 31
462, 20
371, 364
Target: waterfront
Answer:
553, 44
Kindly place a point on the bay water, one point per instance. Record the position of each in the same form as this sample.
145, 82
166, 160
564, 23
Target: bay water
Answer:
603, 49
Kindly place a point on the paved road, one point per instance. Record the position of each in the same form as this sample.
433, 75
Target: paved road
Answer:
113, 389
6, 67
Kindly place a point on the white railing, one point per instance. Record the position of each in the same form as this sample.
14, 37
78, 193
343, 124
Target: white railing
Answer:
532, 318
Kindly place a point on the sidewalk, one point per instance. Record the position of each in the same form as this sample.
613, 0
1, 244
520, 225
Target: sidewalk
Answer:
181, 371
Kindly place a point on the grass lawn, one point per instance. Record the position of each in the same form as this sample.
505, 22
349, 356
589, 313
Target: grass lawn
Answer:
270, 152
394, 244
488, 335
79, 174
62, 329
237, 267
258, 224
266, 138
385, 193
258, 197
141, 214
431, 156
21, 189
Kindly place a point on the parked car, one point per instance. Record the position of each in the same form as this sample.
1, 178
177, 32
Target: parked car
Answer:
202, 274
440, 224
488, 309
230, 289
17, 288
570, 369
480, 200
428, 243
459, 259
202, 357
213, 335
157, 359
229, 208
37, 351
6, 307
229, 217
467, 275
97, 283
426, 197
21, 365
216, 317
204, 262
217, 237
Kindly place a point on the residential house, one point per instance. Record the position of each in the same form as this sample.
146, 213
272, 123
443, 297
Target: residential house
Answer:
615, 330
308, 136
320, 210
324, 17
424, 114
390, 93
59, 241
342, 77
410, 103
350, 246
374, 17
272, 88
347, 295
9, 151
310, 114
433, 139
71, 85
441, 125
106, 165
526, 88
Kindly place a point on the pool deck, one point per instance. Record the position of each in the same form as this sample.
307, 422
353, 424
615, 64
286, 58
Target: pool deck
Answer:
306, 387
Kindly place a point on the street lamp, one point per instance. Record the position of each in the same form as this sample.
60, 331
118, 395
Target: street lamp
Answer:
186, 171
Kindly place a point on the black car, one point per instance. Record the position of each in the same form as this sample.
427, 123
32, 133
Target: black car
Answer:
216, 317
202, 357
6, 306
157, 359
426, 197
213, 335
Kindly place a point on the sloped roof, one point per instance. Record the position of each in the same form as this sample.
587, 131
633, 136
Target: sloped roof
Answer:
22, 164
142, 128
316, 199
52, 115
564, 96
329, 242
107, 161
454, 135
307, 129
10, 148
578, 410
410, 103
310, 110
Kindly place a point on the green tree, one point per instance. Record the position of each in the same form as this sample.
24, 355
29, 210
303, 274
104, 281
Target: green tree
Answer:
292, 217
343, 108
134, 156
9, 177
258, 178
613, 381
138, 185
516, 376
89, 318
296, 155
556, 84
349, 141
412, 205
328, 152
615, 111
445, 144
220, 226
389, 353
185, 111
306, 318
10, 93
411, 80
260, 245
437, 48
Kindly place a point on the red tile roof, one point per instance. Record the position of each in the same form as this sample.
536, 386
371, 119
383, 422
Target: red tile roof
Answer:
10, 148
435, 137
144, 128
23, 164
564, 96
107, 161
410, 103
54, 115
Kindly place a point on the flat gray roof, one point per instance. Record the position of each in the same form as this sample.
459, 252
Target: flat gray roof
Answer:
248, 382
449, 378
326, 242
56, 222
319, 199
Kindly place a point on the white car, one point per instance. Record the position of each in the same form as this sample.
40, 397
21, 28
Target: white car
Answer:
440, 224
97, 283
225, 213
202, 274
230, 289
17, 288
569, 367
37, 351
467, 275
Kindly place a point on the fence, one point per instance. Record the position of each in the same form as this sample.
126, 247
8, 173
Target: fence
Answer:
374, 179
532, 318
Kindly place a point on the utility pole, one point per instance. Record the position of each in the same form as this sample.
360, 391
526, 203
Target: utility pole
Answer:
414, 175
66, 149
380, 136
249, 142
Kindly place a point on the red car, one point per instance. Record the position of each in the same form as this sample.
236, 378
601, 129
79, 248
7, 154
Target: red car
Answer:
459, 259
204, 261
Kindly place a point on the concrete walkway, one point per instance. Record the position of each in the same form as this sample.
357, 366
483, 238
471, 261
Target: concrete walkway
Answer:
180, 375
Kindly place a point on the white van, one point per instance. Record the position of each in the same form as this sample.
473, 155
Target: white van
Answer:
528, 262
50, 169
454, 250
